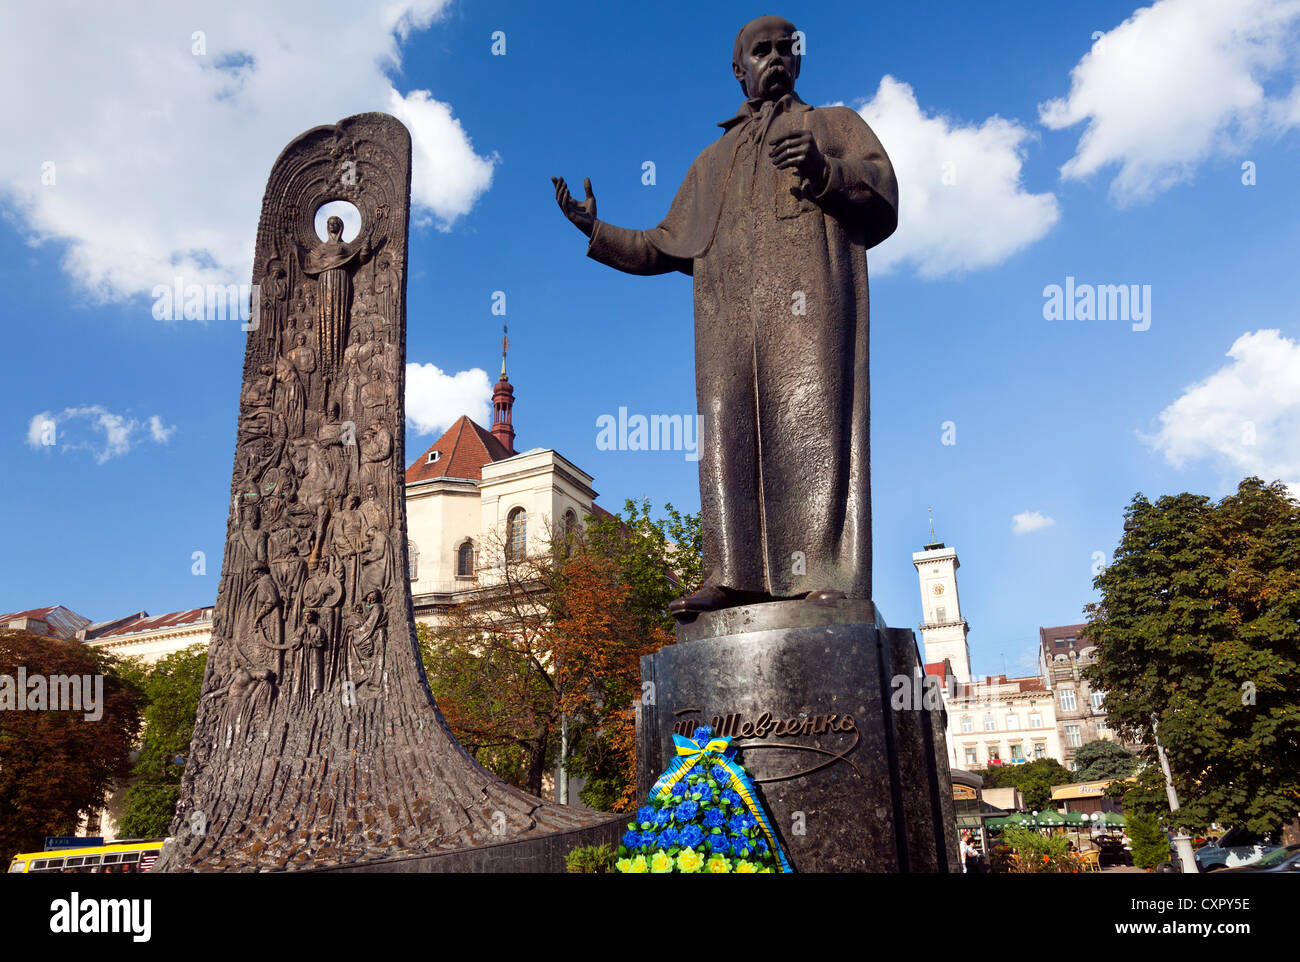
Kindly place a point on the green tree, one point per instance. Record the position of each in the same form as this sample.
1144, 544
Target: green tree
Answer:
1198, 635
171, 689
1101, 759
658, 560
1149, 842
58, 766
1035, 780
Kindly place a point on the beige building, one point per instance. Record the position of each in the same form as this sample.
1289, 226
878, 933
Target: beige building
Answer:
1080, 712
993, 721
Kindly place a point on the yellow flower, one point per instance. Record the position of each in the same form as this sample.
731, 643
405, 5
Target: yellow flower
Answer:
689, 861
638, 865
717, 865
746, 868
661, 862
623, 865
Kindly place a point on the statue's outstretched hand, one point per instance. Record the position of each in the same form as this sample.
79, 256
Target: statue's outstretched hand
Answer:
582, 214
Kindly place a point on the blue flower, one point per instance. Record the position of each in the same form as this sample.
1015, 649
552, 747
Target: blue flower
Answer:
761, 844
691, 836
679, 789
686, 811
669, 837
662, 817
741, 824
631, 839
703, 733
732, 798
645, 814
714, 818
705, 792
720, 773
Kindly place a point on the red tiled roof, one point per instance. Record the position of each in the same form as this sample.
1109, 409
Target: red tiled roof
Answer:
62, 622
173, 619
36, 614
463, 450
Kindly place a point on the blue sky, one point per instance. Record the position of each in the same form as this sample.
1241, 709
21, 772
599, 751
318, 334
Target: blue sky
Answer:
1026, 154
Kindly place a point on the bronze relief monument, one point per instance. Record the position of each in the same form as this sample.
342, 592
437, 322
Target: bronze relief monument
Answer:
317, 742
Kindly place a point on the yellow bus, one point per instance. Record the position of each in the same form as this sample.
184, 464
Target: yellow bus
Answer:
124, 856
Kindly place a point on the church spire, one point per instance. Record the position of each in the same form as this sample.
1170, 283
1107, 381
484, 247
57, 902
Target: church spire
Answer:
503, 401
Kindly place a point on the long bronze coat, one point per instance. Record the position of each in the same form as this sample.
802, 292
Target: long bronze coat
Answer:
781, 325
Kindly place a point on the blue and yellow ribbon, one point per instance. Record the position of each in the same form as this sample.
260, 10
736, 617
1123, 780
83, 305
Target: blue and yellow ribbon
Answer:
694, 752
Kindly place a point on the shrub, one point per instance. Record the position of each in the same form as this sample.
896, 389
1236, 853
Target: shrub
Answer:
1149, 841
590, 860
1040, 853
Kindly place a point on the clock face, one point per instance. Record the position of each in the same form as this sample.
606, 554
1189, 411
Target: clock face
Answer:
937, 589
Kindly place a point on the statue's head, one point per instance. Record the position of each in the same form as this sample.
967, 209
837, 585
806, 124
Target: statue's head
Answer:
334, 227
765, 59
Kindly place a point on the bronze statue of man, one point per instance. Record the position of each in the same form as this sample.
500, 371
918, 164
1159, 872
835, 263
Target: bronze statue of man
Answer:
773, 221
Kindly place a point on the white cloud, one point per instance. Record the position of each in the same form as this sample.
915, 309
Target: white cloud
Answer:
1027, 521
1243, 418
961, 203
161, 156
435, 400
79, 429
158, 432
1176, 83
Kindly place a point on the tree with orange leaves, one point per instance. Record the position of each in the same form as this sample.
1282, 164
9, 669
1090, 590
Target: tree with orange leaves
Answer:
556, 638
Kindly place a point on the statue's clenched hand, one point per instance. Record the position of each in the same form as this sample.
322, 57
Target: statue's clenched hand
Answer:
582, 214
798, 150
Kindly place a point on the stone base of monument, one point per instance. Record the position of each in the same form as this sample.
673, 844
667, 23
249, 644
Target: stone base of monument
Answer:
805, 690
543, 853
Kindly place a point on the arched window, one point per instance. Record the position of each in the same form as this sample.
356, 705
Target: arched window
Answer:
517, 535
570, 524
412, 561
465, 560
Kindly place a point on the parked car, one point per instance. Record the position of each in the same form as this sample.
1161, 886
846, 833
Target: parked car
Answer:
1279, 860
1237, 847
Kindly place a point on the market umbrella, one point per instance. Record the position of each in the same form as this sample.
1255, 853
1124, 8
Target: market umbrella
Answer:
1109, 819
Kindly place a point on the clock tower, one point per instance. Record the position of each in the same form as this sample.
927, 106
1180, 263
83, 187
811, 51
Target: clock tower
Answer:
943, 629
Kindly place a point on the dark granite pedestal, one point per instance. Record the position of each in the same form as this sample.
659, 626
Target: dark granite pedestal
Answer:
804, 689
